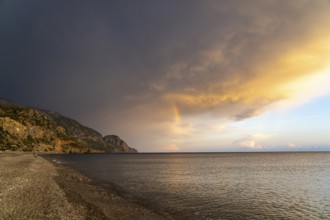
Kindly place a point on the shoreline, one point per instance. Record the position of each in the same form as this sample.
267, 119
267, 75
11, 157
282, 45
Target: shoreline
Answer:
37, 188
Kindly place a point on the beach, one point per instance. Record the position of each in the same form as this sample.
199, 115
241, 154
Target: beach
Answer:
33, 188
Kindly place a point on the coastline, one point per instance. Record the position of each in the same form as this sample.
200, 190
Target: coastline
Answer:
36, 188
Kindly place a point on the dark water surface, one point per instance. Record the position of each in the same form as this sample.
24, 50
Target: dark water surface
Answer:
217, 186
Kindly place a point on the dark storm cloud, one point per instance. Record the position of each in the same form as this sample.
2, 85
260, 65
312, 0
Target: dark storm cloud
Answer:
122, 65
75, 53
78, 51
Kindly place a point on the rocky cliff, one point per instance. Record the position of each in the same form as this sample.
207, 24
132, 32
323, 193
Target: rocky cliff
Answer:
28, 129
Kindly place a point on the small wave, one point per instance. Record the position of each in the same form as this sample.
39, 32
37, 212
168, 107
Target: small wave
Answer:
58, 161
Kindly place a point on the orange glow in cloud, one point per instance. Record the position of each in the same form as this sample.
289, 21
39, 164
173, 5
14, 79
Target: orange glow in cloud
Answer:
239, 73
179, 127
283, 77
283, 81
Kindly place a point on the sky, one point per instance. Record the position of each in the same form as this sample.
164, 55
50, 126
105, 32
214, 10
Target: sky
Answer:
170, 76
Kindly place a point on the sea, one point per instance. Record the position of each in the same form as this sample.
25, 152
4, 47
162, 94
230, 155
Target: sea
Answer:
216, 185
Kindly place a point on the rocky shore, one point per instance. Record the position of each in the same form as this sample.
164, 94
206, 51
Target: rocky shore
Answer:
33, 188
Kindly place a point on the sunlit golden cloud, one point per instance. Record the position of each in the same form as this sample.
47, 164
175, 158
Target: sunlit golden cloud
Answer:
282, 76
282, 71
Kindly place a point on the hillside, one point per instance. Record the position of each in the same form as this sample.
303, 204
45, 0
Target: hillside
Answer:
29, 129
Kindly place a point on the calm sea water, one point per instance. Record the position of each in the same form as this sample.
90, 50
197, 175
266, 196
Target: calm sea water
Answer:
217, 186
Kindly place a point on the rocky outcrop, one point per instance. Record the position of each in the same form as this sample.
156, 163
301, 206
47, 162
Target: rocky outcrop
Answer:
121, 146
29, 129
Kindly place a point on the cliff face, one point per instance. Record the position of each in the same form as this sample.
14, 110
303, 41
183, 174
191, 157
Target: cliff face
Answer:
29, 129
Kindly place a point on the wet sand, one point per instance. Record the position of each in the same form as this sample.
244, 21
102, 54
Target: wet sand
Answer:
34, 188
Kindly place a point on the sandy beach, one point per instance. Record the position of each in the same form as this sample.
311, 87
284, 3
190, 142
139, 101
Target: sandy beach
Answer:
34, 188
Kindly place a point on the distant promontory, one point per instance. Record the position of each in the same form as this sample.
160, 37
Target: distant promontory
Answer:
29, 129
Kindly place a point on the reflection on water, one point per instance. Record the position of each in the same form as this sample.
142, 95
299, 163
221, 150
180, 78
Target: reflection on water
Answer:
218, 186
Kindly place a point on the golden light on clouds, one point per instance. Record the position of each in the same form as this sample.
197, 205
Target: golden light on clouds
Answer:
281, 77
283, 80
247, 71
263, 57
177, 127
